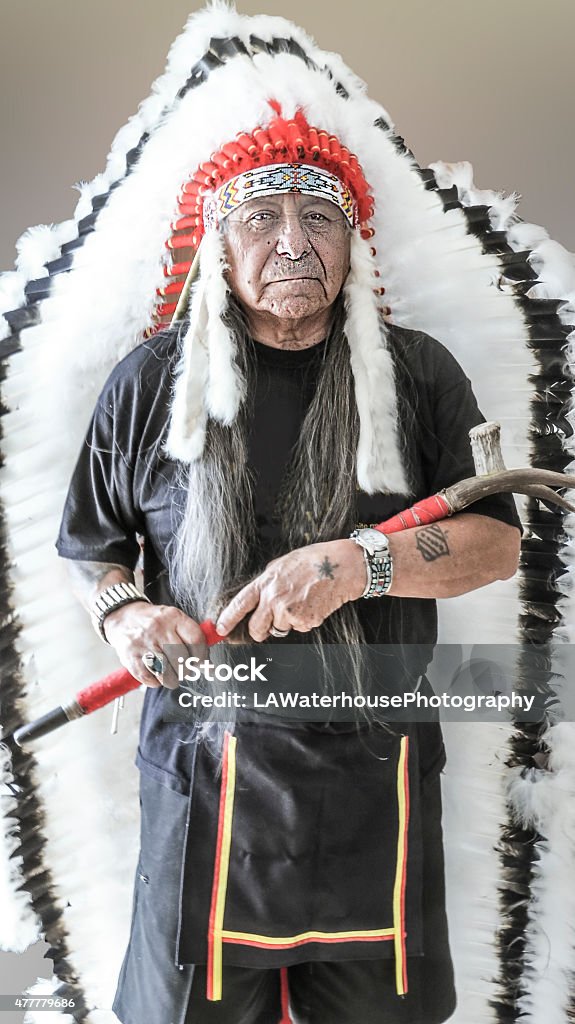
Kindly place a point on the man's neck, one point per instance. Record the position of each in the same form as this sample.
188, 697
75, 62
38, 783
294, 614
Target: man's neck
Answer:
289, 333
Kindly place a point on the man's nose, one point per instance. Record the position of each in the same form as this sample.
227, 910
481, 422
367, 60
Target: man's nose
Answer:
293, 240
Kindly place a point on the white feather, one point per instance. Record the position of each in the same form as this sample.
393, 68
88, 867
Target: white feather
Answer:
46, 988
449, 174
555, 268
474, 808
526, 236
35, 248
88, 189
545, 801
501, 208
12, 285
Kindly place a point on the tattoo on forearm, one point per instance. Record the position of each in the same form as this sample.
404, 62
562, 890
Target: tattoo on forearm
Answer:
89, 578
432, 542
96, 572
326, 569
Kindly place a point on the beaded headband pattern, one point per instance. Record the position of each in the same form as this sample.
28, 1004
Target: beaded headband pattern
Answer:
268, 181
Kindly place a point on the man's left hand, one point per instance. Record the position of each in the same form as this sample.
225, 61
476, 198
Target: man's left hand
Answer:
299, 590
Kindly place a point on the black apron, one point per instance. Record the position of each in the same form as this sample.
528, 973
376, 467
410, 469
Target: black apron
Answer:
319, 840
300, 846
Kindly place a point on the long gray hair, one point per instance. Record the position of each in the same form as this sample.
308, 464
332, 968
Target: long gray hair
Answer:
215, 548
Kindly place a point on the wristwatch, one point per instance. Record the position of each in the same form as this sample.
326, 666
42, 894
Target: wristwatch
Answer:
378, 561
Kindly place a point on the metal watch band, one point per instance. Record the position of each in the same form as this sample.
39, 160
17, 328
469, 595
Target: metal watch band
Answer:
379, 574
113, 597
379, 568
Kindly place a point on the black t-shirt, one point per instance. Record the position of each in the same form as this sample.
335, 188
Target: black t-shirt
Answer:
124, 486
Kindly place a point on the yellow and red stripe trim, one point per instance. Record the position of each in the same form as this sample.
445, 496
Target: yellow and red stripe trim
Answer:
401, 868
304, 938
221, 868
217, 935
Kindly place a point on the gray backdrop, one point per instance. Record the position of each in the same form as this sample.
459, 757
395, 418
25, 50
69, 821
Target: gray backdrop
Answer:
484, 81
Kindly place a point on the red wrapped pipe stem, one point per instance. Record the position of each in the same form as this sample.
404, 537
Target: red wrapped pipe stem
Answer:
120, 682
430, 510
97, 695
92, 697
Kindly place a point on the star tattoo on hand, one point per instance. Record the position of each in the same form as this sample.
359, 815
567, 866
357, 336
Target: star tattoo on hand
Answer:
326, 569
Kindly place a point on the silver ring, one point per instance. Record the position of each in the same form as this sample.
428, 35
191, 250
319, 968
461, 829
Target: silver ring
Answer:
153, 663
278, 632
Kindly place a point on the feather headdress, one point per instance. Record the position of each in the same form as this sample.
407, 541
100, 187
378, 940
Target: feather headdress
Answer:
454, 262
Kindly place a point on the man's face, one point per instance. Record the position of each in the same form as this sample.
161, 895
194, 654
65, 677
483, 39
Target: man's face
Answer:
288, 254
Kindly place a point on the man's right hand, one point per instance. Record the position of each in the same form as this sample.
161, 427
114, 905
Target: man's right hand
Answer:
138, 628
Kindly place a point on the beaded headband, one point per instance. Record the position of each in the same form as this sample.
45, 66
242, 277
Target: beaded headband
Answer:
267, 181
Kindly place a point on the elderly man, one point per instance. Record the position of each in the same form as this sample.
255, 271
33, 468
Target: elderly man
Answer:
282, 861
288, 259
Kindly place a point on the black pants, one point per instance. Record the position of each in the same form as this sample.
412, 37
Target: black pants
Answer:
354, 992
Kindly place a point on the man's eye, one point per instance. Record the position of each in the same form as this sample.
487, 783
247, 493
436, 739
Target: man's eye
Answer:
262, 217
316, 218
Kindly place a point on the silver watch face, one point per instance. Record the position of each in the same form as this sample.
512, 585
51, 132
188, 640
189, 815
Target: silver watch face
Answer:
372, 540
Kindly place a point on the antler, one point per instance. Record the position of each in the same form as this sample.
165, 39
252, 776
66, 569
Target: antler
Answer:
493, 477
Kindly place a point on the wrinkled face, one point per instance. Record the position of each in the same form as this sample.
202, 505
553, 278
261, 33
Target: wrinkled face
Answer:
288, 254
